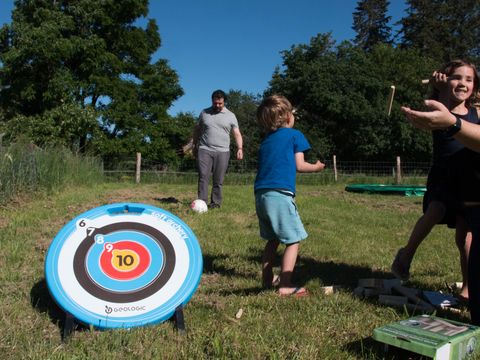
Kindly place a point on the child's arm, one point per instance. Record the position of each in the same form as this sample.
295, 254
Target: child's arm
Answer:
306, 167
438, 117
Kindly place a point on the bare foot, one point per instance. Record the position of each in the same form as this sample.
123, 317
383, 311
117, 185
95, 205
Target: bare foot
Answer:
464, 293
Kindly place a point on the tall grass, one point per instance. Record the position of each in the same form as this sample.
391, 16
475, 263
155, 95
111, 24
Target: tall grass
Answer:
26, 168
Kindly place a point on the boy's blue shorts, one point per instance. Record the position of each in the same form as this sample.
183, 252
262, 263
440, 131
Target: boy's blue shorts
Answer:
278, 217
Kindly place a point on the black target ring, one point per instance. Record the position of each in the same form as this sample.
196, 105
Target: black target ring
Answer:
84, 279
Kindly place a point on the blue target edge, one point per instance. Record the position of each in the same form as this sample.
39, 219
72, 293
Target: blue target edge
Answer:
157, 315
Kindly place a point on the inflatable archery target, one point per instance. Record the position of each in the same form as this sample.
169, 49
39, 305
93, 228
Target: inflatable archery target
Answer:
123, 265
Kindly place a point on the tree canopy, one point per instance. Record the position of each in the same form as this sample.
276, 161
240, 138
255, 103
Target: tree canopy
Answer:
442, 29
371, 23
92, 57
341, 93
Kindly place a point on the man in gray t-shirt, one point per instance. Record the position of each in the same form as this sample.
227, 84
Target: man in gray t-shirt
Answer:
211, 142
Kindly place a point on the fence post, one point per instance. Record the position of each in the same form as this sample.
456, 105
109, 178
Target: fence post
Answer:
138, 168
398, 175
335, 174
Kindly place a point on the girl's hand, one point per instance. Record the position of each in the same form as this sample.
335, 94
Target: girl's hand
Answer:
439, 80
437, 118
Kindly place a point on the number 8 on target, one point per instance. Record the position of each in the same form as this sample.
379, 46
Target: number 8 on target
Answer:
123, 265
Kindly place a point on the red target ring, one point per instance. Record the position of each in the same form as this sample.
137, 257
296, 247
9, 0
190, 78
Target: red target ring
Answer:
125, 260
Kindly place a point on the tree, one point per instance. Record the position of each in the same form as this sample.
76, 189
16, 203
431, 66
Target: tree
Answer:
341, 95
244, 106
370, 22
90, 55
442, 29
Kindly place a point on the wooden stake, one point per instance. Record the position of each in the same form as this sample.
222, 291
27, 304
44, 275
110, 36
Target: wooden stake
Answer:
398, 175
335, 174
138, 168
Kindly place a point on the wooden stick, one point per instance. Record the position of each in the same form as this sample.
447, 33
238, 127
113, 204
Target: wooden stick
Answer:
390, 100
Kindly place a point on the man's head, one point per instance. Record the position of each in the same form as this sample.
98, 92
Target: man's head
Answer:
218, 100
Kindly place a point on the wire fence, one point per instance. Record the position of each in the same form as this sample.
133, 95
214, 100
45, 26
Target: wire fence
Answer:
243, 172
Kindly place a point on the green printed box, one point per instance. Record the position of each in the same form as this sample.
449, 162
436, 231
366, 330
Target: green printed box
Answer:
431, 336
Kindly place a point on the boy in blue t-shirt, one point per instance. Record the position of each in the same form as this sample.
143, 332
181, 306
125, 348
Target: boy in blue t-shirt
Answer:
280, 157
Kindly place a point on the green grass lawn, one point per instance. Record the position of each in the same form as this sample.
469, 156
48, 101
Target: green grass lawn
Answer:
351, 236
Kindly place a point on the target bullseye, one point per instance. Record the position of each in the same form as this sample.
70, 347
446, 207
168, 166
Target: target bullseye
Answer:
123, 265
125, 260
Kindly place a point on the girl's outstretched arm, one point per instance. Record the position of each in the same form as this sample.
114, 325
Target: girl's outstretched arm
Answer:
440, 118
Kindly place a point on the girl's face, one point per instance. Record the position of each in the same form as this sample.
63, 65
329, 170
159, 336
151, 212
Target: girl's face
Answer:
460, 84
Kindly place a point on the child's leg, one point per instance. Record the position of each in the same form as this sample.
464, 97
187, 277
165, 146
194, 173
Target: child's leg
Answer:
401, 264
288, 264
463, 239
268, 258
434, 214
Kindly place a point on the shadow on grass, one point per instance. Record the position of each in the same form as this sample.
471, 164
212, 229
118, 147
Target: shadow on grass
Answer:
335, 273
43, 302
216, 264
224, 265
306, 269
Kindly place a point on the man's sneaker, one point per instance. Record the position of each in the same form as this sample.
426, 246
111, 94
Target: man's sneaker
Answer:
399, 269
213, 206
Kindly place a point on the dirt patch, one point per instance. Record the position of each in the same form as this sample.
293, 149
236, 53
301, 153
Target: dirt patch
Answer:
4, 222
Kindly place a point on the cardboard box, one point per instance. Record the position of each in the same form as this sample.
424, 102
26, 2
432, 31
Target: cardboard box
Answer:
431, 336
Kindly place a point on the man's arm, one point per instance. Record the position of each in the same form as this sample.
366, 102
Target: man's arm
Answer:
239, 141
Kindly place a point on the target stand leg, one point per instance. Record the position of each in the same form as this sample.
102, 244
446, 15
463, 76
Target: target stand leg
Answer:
68, 326
178, 319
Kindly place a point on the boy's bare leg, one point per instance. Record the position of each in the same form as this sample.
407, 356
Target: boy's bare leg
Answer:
288, 264
463, 239
268, 258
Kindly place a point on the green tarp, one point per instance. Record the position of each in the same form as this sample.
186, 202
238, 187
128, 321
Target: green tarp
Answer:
406, 190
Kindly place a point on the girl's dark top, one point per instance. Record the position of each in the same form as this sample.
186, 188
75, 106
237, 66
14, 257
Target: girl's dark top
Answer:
464, 171
443, 183
446, 146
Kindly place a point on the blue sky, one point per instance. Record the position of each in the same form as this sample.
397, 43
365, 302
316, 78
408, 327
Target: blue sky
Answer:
236, 44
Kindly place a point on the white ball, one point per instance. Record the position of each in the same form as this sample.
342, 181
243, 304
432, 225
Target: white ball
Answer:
199, 206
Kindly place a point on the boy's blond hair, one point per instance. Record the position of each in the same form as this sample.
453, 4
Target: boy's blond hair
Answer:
273, 112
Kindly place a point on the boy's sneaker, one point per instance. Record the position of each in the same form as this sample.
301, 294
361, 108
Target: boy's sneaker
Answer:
399, 269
